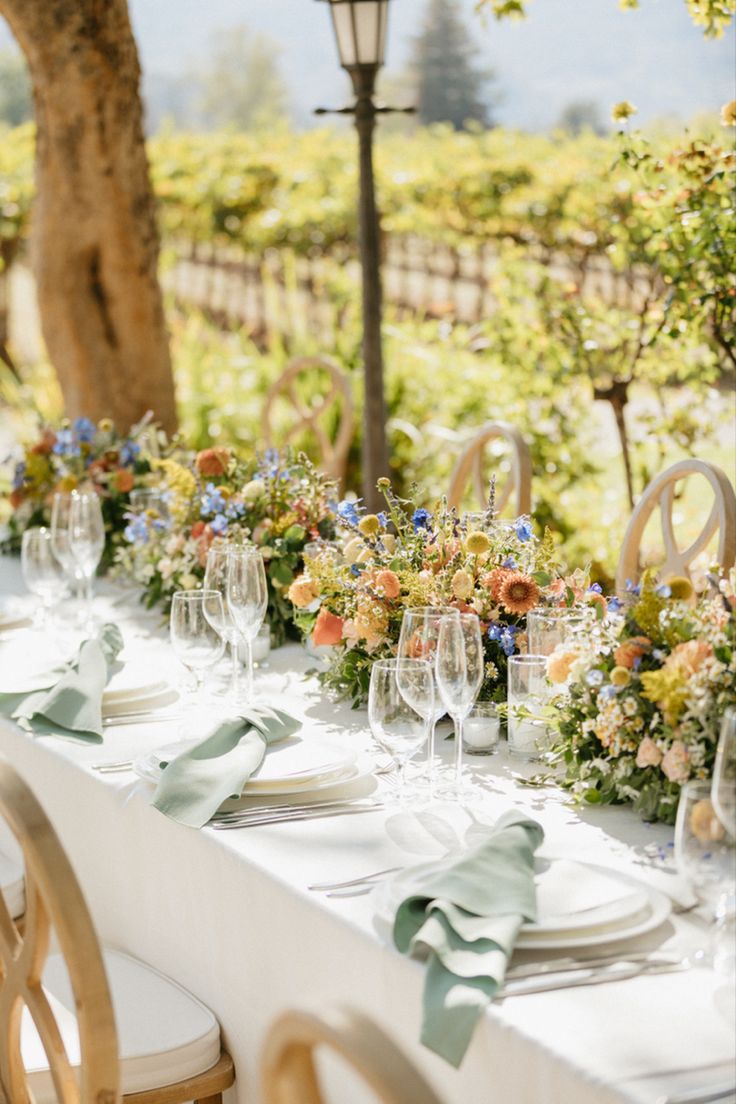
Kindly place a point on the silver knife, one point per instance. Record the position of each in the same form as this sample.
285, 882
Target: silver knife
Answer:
297, 814
568, 965
599, 976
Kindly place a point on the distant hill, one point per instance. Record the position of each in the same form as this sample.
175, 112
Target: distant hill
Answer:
567, 50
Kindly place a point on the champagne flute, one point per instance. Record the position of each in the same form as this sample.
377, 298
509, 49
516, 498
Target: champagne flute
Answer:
420, 629
215, 578
247, 601
400, 710
460, 664
196, 642
60, 513
42, 573
86, 538
723, 789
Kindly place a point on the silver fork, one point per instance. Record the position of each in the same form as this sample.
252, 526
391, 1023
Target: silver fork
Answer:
363, 880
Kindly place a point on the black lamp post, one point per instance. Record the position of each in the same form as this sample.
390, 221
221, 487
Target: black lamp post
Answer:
360, 31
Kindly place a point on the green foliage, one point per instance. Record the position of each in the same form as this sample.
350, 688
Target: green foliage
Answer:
241, 86
15, 89
713, 16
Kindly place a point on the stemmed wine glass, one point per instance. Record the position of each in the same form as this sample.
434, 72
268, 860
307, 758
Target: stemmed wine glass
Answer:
420, 629
247, 601
60, 512
86, 538
400, 709
215, 578
460, 664
194, 637
723, 789
42, 572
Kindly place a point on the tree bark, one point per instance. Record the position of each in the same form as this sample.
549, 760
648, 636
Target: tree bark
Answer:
94, 241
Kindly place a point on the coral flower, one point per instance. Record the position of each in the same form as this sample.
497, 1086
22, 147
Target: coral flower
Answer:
303, 592
627, 653
518, 593
388, 582
197, 529
648, 755
327, 628
689, 656
494, 580
46, 444
559, 665
124, 480
676, 762
213, 461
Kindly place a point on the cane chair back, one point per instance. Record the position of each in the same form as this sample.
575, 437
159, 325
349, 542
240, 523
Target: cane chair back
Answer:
53, 899
660, 494
312, 416
288, 1068
470, 466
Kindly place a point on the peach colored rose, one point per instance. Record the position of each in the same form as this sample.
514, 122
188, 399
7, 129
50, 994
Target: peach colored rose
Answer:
704, 823
303, 592
462, 584
690, 656
559, 665
676, 762
197, 529
388, 582
627, 653
648, 755
124, 480
327, 628
213, 461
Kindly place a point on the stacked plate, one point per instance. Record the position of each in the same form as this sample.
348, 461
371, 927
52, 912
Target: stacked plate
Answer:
578, 904
132, 692
297, 768
13, 615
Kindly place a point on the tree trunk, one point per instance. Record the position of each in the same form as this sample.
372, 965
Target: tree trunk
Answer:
618, 396
94, 238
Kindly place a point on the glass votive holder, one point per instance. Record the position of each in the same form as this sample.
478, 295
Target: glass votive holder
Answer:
546, 629
528, 692
262, 645
481, 729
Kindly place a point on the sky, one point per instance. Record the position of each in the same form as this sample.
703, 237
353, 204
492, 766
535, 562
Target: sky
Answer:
566, 50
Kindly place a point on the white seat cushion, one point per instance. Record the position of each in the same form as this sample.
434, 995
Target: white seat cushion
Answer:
12, 885
164, 1033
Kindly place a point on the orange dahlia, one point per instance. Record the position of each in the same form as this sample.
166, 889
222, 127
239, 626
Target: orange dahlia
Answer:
518, 592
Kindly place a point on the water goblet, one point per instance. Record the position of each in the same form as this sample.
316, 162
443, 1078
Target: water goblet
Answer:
86, 538
196, 642
400, 710
460, 664
42, 572
548, 628
705, 854
60, 514
723, 789
215, 578
420, 627
247, 600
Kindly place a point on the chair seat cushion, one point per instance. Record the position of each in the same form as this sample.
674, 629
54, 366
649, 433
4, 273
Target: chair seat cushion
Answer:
12, 886
164, 1033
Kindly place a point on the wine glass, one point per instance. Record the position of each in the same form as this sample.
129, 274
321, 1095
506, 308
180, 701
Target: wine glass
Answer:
723, 789
247, 600
194, 638
60, 512
42, 572
706, 858
215, 578
86, 538
420, 629
400, 710
460, 664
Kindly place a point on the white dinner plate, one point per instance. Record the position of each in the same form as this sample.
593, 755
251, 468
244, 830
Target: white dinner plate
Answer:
138, 705
654, 910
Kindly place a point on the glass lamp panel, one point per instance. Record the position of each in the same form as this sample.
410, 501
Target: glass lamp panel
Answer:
360, 30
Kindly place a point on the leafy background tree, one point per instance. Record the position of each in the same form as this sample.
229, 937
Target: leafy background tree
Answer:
240, 84
15, 89
451, 84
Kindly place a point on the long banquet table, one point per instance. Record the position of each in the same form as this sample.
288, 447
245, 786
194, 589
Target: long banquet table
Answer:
228, 915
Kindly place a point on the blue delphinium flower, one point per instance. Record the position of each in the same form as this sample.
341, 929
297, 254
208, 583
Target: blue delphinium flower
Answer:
594, 677
213, 501
66, 443
636, 590
234, 509
269, 463
84, 429
596, 588
663, 590
347, 511
494, 631
523, 529
128, 453
218, 525
509, 562
19, 475
355, 570
136, 531
421, 519
383, 519
607, 692
614, 605
507, 640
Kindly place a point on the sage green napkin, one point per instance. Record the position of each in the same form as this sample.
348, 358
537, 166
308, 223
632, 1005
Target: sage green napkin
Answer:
467, 912
71, 705
194, 785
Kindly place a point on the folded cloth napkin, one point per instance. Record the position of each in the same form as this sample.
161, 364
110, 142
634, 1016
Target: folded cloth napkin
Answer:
194, 784
467, 913
73, 702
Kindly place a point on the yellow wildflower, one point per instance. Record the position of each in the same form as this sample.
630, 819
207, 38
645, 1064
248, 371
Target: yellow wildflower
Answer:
477, 543
369, 525
622, 111
728, 114
680, 588
620, 676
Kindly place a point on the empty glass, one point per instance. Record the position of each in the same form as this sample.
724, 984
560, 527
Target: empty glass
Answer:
548, 628
193, 633
150, 501
723, 790
60, 511
42, 572
86, 538
460, 664
400, 709
528, 694
215, 578
247, 600
420, 629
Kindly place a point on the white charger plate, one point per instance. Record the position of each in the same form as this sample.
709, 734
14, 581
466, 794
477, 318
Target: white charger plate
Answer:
388, 895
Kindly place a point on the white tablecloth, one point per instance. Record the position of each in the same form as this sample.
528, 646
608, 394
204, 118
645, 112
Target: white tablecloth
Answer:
228, 915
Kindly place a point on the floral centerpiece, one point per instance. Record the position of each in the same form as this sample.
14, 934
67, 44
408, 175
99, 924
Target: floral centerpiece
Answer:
279, 502
645, 694
409, 556
74, 454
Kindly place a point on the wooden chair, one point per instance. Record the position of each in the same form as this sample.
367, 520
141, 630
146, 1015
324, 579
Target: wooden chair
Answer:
333, 454
661, 493
288, 1071
84, 1026
470, 464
